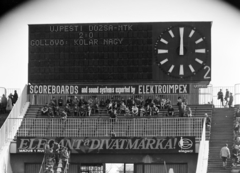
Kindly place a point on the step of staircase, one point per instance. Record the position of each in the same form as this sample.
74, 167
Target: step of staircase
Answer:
221, 133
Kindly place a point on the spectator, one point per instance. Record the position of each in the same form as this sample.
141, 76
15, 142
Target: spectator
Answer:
60, 102
236, 128
138, 102
142, 111
89, 110
170, 111
69, 101
141, 101
163, 102
167, 103
113, 115
63, 115
184, 110
122, 108
180, 107
53, 105
224, 154
157, 101
11, 96
230, 100
57, 111
135, 110
107, 101
54, 101
189, 112
220, 96
67, 109
15, 97
64, 156
75, 101
44, 110
184, 101
3, 103
226, 97
127, 112
51, 112
9, 104
102, 104
148, 110
81, 102
95, 105
155, 110
110, 107
148, 101
76, 110
129, 103
235, 155
238, 112
208, 122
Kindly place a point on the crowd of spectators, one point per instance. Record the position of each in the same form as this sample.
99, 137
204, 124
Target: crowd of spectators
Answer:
7, 104
114, 106
228, 98
236, 145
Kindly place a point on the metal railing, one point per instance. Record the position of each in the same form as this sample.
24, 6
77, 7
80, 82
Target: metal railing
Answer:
237, 94
100, 127
11, 125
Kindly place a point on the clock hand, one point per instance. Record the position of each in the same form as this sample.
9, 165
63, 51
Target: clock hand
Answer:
181, 50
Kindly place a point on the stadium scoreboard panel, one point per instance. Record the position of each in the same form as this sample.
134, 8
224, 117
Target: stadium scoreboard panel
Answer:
120, 52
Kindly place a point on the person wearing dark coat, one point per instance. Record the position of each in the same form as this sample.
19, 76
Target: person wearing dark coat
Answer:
3, 103
15, 97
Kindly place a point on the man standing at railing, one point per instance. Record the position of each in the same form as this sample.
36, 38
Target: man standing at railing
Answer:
224, 154
230, 100
226, 97
220, 96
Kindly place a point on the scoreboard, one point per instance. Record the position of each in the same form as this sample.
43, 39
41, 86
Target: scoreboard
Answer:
165, 52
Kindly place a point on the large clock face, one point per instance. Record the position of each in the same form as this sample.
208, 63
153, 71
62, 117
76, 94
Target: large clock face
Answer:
181, 51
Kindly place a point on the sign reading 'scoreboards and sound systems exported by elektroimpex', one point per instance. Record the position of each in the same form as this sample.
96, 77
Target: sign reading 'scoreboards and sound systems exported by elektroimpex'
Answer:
109, 89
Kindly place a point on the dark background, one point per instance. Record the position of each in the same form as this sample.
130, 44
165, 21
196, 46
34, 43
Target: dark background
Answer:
7, 5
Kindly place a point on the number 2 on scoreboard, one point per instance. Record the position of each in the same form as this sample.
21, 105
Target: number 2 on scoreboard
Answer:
206, 76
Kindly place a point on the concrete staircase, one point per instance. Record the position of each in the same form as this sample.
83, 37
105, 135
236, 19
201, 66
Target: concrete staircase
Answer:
221, 133
32, 111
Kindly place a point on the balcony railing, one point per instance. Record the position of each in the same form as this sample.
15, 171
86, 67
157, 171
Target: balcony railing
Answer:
100, 127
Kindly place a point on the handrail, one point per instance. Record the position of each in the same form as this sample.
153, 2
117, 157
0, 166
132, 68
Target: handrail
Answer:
200, 163
10, 127
43, 161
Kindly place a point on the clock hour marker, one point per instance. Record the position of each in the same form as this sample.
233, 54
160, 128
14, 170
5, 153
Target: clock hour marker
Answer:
181, 70
191, 68
198, 60
171, 33
164, 61
199, 40
171, 69
181, 31
164, 41
200, 50
162, 51
191, 33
